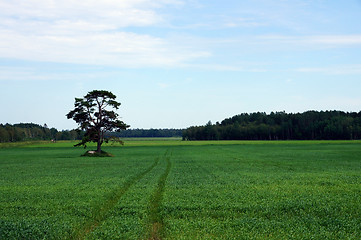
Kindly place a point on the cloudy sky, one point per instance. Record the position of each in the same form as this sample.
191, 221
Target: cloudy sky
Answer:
177, 63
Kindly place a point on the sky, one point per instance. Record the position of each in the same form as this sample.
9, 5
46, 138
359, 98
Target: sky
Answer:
178, 63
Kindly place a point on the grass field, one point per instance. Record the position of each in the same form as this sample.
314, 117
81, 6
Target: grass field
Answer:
169, 189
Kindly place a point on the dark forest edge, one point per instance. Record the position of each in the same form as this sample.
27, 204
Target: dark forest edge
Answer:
310, 125
34, 132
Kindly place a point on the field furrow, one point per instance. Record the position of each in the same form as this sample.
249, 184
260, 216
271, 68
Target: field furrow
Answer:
155, 217
100, 212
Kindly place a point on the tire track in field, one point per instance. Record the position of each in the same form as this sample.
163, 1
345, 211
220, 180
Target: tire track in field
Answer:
99, 213
155, 218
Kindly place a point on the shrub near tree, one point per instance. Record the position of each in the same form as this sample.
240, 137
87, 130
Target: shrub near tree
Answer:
95, 116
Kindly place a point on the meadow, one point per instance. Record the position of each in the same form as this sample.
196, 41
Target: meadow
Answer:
172, 189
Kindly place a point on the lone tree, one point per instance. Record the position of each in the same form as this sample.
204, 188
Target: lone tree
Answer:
93, 117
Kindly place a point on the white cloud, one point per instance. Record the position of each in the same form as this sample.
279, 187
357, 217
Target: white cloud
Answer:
333, 70
242, 67
315, 40
111, 33
244, 22
121, 13
88, 32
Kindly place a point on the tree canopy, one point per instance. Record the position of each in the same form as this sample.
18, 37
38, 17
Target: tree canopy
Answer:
310, 125
95, 116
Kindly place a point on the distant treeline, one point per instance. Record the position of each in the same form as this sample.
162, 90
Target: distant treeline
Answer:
310, 125
31, 131
136, 133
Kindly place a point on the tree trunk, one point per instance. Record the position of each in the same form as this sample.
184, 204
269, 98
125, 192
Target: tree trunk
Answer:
99, 145
99, 142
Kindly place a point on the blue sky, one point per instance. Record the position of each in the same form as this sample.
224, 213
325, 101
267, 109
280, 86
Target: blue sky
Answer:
177, 63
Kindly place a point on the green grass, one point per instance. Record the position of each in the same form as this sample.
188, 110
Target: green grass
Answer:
170, 189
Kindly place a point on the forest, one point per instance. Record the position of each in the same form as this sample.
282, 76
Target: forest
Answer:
134, 133
310, 125
32, 131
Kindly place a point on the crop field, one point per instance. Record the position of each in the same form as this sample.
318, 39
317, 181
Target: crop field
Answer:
169, 189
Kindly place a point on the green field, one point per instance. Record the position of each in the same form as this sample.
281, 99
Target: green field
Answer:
169, 189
